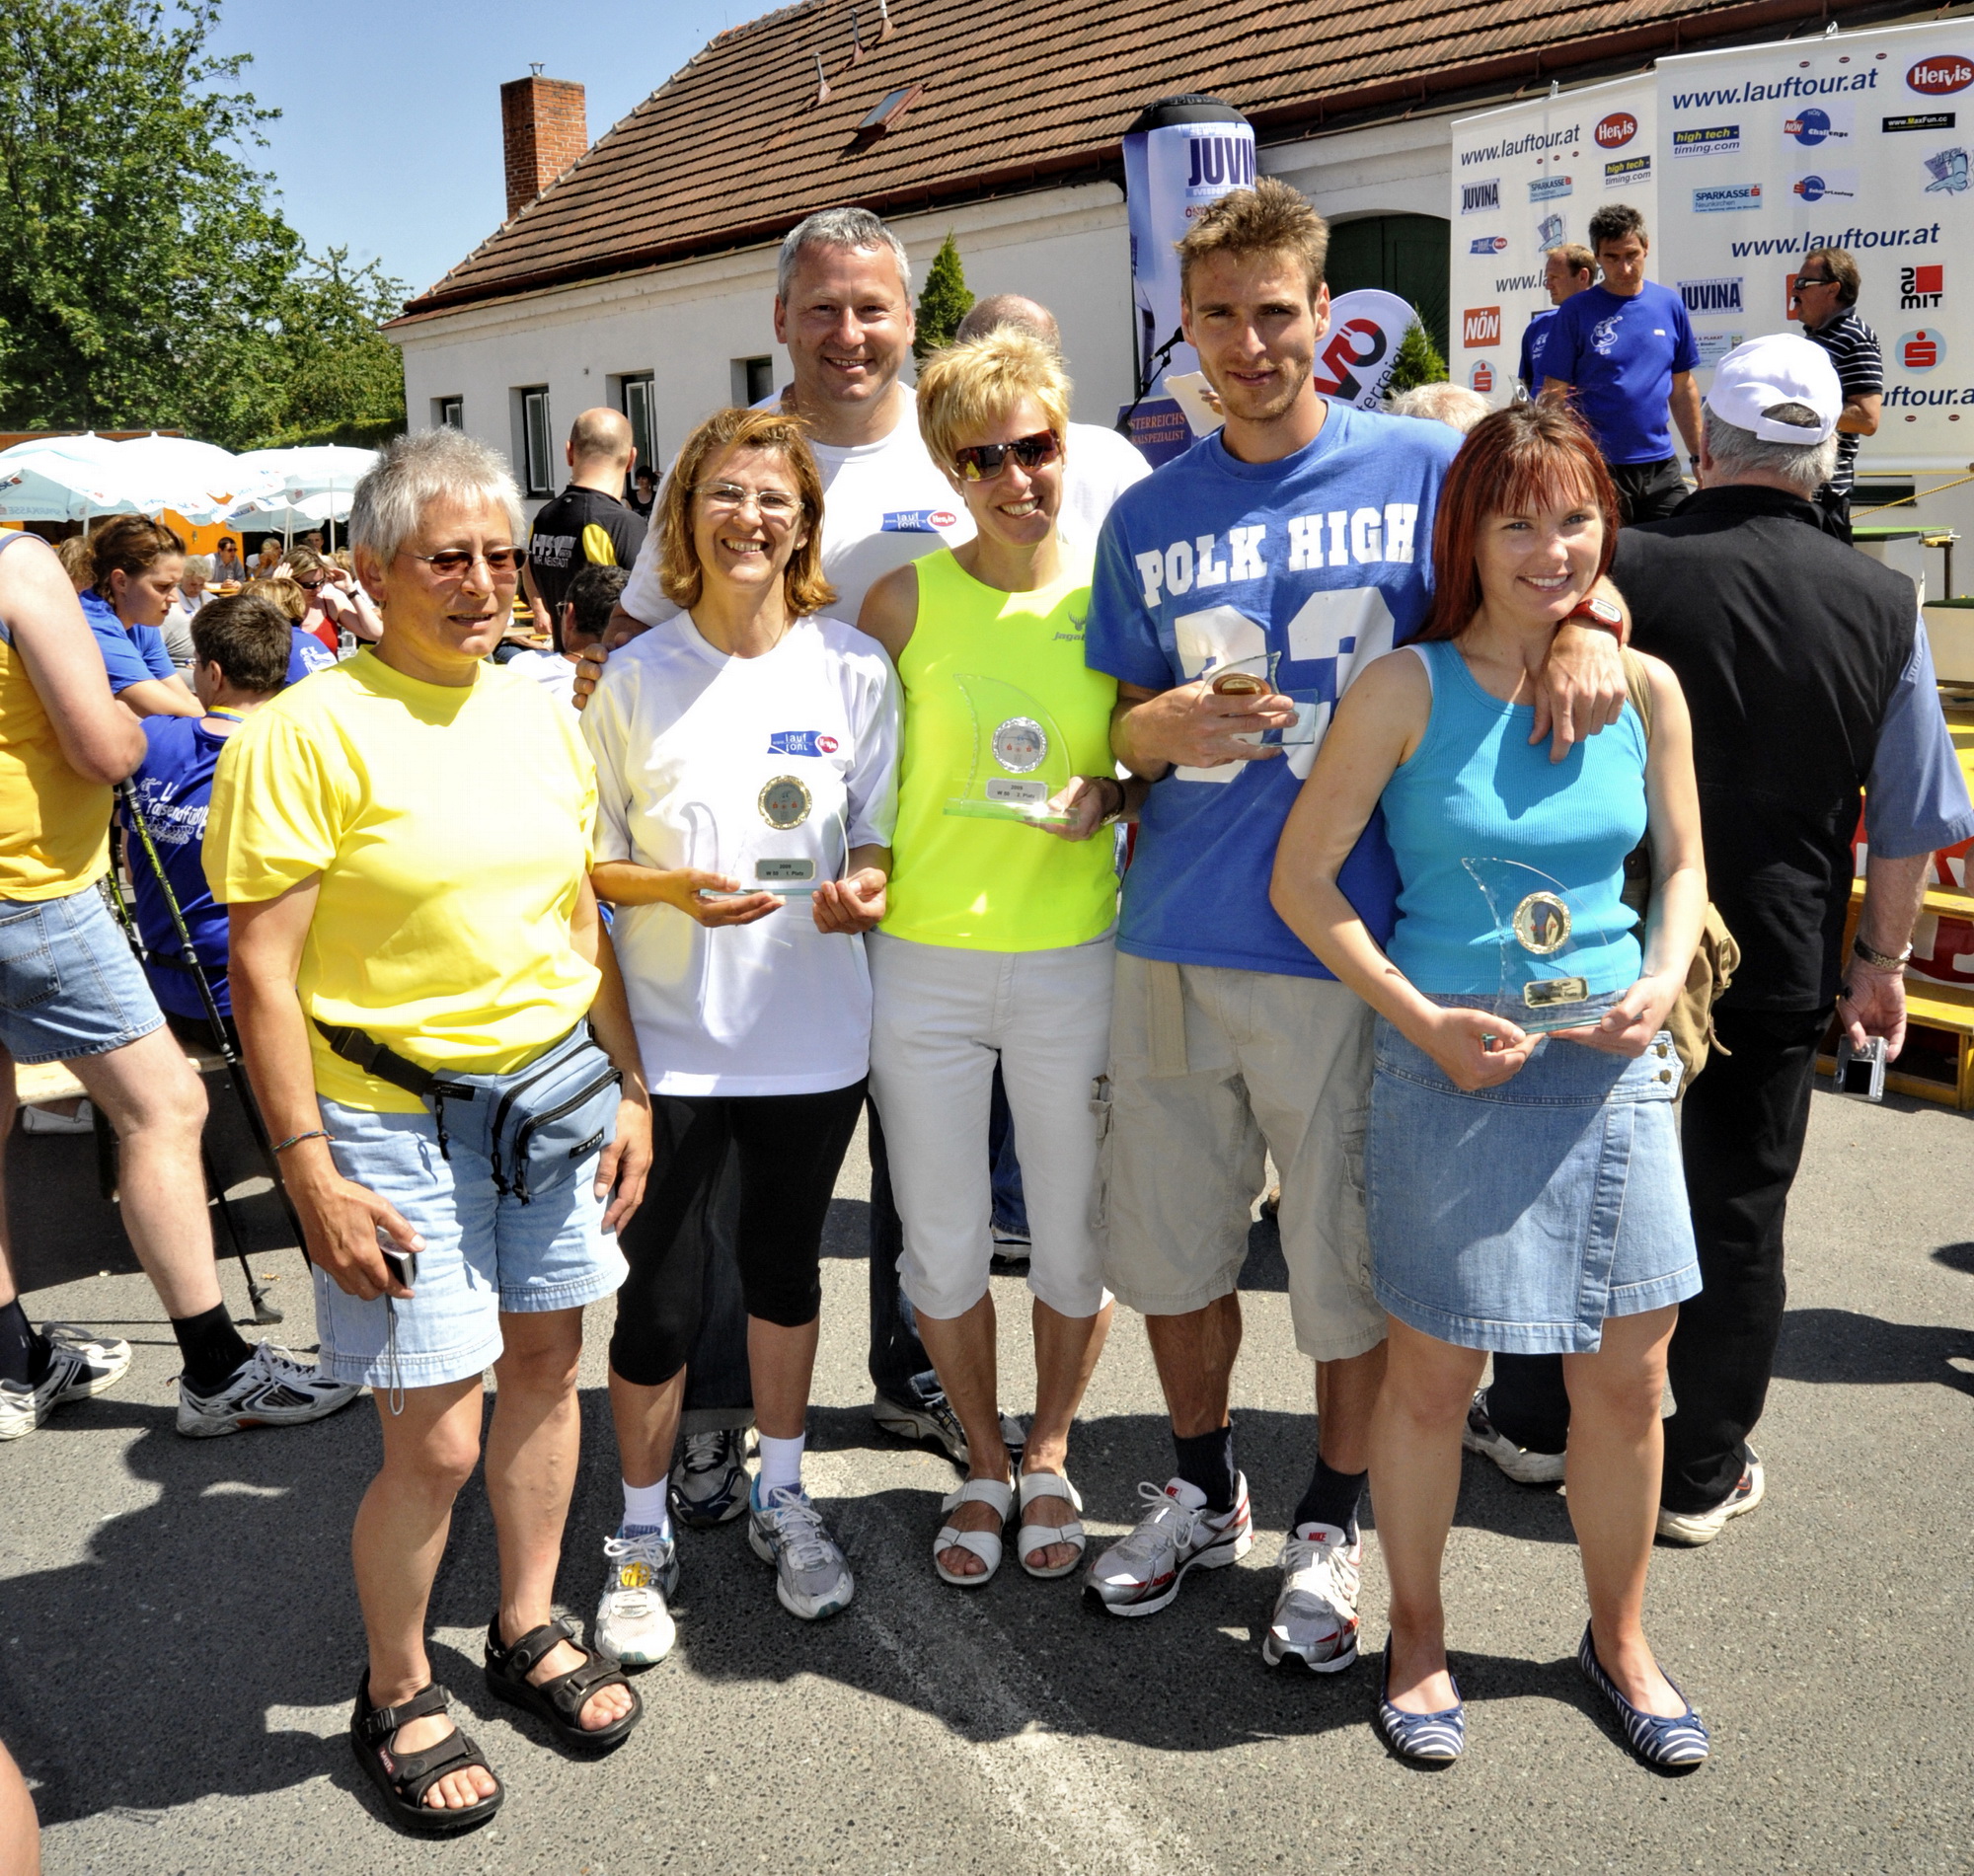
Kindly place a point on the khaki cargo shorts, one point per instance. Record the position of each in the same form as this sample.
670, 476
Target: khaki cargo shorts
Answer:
1210, 1070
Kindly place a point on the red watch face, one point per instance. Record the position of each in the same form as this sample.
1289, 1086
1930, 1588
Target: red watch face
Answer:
1597, 607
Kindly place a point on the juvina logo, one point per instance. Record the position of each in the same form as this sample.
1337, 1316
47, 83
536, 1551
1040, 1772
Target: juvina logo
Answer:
1616, 131
1481, 326
1936, 77
1478, 197
1713, 296
1222, 163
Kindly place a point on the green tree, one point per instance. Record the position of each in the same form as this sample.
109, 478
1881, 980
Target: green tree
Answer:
944, 303
145, 278
1418, 361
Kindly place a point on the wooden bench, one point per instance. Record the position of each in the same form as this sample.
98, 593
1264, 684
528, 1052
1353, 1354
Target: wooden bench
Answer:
1947, 1008
41, 1081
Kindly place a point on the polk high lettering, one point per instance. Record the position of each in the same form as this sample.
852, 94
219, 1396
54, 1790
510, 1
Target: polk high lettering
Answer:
1340, 537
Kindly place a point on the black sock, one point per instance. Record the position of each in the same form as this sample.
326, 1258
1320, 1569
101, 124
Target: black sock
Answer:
1329, 1499
1207, 1461
24, 1355
212, 1348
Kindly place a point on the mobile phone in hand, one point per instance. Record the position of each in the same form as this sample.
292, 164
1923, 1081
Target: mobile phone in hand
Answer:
402, 1264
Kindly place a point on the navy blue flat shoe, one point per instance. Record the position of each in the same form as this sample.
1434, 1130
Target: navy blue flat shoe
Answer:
1673, 1744
1432, 1739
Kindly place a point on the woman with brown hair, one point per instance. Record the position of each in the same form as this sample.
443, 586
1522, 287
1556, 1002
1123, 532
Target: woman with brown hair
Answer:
136, 565
1524, 1188
745, 754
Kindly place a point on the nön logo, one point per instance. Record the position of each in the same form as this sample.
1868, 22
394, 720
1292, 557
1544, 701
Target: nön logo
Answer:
1481, 326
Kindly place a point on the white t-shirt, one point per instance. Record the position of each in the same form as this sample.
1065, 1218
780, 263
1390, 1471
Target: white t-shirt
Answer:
555, 673
1100, 466
740, 766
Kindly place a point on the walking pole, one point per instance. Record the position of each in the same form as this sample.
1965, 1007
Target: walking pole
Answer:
236, 1074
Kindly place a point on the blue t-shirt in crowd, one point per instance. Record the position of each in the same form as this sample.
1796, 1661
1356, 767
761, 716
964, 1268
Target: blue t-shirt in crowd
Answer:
306, 654
1534, 339
173, 785
131, 654
1621, 356
1321, 559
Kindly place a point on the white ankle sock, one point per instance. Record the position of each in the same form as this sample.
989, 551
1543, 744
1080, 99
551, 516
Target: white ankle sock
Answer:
648, 1507
782, 1462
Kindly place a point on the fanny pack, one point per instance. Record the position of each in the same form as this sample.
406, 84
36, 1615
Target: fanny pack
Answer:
535, 1126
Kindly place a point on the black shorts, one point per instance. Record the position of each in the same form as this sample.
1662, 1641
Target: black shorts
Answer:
1648, 492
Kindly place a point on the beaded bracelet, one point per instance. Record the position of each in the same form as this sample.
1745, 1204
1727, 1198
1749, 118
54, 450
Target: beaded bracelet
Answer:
313, 1133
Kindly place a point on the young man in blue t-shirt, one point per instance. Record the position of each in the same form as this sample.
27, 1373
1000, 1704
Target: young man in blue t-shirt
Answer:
1625, 349
1238, 591
1569, 272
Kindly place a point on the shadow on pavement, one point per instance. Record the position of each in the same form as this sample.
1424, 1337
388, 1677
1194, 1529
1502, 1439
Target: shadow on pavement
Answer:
1843, 1345
1956, 1258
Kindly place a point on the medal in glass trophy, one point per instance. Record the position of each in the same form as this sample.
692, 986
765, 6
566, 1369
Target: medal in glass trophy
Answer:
775, 849
1020, 759
1254, 676
1535, 922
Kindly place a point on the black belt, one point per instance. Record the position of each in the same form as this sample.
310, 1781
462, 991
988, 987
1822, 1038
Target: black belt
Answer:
374, 1058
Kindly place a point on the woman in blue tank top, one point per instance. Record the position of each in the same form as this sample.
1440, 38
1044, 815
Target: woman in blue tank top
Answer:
1523, 1173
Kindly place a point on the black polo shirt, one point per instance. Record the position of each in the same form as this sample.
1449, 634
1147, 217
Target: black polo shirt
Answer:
1789, 646
562, 544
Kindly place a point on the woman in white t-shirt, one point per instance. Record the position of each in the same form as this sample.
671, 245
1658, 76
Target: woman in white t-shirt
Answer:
746, 754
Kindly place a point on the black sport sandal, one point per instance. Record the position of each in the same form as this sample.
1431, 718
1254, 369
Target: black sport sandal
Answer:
560, 1701
402, 1778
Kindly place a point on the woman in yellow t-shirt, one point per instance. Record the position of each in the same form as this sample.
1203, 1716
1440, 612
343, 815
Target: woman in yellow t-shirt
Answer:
997, 943
404, 843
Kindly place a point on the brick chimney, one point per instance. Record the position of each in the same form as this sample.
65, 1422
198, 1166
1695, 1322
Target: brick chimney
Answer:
544, 130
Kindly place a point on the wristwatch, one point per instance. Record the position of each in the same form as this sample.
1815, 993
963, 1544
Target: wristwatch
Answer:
1595, 609
1879, 960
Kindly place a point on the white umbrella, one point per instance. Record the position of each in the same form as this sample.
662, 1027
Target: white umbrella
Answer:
81, 477
313, 483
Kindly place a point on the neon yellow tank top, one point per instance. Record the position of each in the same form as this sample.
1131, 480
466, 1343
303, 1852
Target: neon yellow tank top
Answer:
996, 886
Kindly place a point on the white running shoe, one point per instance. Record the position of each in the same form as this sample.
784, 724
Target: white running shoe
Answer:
633, 1621
1703, 1527
44, 1120
270, 1389
1315, 1623
83, 1365
1141, 1572
1523, 1463
811, 1578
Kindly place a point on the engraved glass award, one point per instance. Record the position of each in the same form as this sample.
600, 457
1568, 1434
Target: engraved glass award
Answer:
1535, 922
1256, 676
1021, 758
774, 844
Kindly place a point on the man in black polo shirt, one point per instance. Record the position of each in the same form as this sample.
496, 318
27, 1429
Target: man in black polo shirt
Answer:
588, 524
1809, 679
1825, 298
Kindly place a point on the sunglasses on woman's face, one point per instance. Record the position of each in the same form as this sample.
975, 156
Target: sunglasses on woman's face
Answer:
982, 462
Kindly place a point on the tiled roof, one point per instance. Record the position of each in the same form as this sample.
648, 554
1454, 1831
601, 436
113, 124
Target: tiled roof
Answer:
734, 149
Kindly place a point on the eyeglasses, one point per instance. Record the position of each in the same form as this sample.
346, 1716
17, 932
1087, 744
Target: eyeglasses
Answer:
452, 563
982, 462
1811, 279
771, 504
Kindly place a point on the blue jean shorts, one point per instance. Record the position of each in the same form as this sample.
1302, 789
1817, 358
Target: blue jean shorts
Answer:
70, 985
1519, 1218
486, 1255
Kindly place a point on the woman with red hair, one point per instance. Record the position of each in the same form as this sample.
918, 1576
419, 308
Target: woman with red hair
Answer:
1521, 1164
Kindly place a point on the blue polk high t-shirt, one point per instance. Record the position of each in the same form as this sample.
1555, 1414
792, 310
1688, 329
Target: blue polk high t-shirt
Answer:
173, 785
1323, 558
1621, 356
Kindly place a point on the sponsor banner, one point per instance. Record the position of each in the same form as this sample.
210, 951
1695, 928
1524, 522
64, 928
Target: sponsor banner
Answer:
1355, 358
1521, 176
1852, 141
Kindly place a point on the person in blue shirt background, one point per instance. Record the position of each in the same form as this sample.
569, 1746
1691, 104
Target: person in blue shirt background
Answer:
242, 649
1625, 349
1569, 272
138, 562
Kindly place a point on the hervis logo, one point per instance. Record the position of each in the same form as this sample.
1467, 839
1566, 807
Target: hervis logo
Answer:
1616, 131
1937, 77
1488, 243
1478, 198
1713, 296
1479, 326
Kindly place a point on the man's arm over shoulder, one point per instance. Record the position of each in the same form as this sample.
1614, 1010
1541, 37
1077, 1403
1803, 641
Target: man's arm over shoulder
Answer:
100, 739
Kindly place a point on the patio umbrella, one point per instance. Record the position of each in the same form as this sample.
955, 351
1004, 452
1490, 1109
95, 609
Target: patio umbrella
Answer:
313, 484
88, 477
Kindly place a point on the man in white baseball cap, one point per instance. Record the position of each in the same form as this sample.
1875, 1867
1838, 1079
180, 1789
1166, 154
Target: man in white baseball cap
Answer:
1809, 679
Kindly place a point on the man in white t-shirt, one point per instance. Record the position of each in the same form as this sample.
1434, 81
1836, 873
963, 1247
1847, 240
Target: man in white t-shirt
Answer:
585, 614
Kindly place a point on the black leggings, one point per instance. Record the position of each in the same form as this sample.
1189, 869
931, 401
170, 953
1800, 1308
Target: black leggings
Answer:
790, 1148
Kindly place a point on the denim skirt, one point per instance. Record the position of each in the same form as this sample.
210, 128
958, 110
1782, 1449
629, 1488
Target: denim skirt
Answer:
1518, 1218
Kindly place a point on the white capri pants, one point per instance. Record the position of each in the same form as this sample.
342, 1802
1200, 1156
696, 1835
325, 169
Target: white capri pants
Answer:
940, 1015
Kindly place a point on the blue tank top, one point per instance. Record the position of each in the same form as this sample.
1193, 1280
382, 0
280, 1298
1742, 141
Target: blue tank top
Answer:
1476, 789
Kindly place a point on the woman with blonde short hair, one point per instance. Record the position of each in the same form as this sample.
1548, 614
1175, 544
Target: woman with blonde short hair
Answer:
997, 939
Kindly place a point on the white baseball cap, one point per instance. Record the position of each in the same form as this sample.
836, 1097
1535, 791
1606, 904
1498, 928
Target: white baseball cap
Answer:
1776, 368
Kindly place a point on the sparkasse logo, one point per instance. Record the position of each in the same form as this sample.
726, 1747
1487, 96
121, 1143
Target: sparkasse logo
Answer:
1481, 326
1488, 243
1936, 77
1920, 290
1616, 131
1713, 296
1920, 350
1483, 379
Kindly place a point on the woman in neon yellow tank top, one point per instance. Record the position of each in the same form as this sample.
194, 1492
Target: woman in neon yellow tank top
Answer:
997, 943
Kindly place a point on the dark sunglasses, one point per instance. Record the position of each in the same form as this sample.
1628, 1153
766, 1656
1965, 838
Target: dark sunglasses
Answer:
982, 462
311, 585
452, 563
1811, 279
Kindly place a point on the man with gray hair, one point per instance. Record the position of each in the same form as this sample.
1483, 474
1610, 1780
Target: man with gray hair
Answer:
1809, 680
1453, 405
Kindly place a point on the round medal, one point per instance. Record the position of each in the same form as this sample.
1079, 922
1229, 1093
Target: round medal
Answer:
1021, 744
785, 802
1541, 924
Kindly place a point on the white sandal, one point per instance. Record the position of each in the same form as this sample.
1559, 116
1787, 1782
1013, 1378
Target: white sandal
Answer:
1032, 1537
984, 1544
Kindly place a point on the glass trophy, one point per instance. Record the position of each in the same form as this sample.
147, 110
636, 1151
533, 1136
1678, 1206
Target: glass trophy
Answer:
1535, 922
1256, 676
772, 848
1021, 758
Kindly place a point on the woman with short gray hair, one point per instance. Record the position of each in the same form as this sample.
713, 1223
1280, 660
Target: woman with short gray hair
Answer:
435, 1029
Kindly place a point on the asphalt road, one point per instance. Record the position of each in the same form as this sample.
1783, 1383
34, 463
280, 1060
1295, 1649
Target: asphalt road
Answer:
178, 1638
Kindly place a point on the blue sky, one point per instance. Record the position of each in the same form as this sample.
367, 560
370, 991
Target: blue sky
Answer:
389, 141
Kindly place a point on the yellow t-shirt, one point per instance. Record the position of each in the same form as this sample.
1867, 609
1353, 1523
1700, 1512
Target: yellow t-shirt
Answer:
451, 828
55, 826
